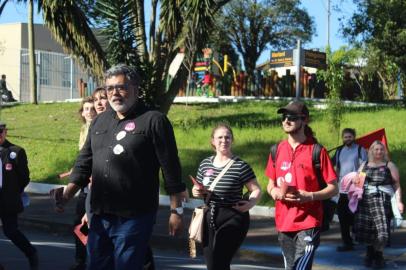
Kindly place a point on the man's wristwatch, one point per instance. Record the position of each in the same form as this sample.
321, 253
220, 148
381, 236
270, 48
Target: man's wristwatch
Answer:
177, 210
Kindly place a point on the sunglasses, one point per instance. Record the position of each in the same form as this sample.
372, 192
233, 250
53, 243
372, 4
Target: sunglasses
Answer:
291, 118
1, 130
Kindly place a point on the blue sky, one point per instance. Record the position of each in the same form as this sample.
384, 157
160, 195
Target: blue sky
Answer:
316, 8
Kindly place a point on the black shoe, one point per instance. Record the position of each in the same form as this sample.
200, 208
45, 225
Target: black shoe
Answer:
369, 258
345, 248
379, 261
33, 261
78, 266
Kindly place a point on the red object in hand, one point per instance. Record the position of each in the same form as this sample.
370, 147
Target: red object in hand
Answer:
200, 185
81, 232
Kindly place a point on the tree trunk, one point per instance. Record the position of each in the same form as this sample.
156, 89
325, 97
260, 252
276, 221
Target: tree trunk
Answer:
31, 51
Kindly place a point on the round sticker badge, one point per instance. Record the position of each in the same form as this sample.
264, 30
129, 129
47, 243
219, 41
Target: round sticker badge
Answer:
121, 135
206, 180
118, 149
130, 126
13, 155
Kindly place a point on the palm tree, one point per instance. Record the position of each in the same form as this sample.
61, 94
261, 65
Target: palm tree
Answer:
31, 44
122, 36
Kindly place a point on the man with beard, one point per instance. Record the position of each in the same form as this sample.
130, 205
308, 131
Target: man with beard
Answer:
123, 152
347, 158
293, 184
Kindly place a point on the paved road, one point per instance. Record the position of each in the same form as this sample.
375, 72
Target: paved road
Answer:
57, 251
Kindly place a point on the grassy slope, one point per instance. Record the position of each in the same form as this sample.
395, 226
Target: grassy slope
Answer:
49, 133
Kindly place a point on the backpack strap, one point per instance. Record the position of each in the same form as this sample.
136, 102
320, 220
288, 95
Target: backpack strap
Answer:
274, 152
317, 165
337, 157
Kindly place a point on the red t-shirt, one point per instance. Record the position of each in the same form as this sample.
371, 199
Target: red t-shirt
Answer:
296, 167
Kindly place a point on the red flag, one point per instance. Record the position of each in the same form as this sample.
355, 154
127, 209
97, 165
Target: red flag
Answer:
377, 135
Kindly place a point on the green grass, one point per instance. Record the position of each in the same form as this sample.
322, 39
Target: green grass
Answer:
50, 133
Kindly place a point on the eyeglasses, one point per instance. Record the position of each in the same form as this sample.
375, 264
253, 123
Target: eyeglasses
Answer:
291, 118
1, 130
121, 88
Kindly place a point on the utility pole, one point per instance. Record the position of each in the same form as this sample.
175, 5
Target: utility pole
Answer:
328, 21
298, 63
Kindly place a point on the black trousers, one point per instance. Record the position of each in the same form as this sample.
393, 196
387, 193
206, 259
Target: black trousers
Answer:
80, 253
11, 231
223, 240
346, 218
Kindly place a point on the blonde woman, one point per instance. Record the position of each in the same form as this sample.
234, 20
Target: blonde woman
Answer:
372, 219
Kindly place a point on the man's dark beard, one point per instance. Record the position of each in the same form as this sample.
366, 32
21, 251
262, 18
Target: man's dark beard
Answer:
349, 143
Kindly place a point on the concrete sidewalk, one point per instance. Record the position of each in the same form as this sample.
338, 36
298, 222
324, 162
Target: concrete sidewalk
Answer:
260, 245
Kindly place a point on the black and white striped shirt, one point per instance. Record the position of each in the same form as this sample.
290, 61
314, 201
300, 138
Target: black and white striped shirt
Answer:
229, 189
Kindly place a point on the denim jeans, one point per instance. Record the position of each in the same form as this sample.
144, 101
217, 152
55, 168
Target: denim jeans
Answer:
119, 243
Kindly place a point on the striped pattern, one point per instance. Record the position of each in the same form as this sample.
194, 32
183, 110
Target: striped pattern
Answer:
229, 189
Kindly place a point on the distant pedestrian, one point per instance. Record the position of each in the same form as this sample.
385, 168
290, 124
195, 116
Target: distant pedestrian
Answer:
86, 112
346, 159
124, 152
227, 221
293, 184
374, 212
5, 93
14, 177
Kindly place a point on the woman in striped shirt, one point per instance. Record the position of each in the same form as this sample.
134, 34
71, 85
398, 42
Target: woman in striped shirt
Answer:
227, 221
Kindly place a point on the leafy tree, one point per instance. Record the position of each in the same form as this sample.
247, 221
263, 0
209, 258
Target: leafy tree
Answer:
127, 38
382, 24
31, 44
253, 25
333, 77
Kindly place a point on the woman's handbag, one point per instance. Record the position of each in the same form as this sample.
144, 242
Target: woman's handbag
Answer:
197, 222
196, 225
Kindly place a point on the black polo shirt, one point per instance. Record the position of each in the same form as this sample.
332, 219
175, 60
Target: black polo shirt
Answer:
123, 157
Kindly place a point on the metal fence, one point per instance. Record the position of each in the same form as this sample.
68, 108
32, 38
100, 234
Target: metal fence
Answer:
57, 76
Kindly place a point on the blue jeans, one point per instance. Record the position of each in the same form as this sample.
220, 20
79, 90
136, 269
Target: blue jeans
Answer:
118, 243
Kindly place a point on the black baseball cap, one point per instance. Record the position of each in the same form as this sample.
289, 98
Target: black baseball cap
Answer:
295, 107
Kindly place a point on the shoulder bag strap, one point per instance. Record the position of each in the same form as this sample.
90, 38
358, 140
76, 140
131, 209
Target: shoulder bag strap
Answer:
225, 169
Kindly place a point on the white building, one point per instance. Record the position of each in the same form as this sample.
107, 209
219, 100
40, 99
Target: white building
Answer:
57, 72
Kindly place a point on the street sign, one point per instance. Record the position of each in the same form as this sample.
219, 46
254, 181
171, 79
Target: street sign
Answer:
315, 59
281, 59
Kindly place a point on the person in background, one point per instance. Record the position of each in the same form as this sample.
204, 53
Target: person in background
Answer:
86, 112
100, 100
227, 222
124, 201
14, 177
293, 184
346, 159
8, 95
372, 218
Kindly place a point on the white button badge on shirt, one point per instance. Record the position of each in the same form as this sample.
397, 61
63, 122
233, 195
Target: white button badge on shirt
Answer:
121, 135
13, 155
118, 149
206, 180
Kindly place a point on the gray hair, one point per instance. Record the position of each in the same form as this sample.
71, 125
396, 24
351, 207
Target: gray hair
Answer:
129, 73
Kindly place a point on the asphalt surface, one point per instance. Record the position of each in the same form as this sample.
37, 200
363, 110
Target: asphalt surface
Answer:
260, 245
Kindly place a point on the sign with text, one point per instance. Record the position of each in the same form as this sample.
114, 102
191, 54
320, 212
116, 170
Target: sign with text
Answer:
315, 59
282, 59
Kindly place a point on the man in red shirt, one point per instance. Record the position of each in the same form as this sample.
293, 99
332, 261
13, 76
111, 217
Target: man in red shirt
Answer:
294, 186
